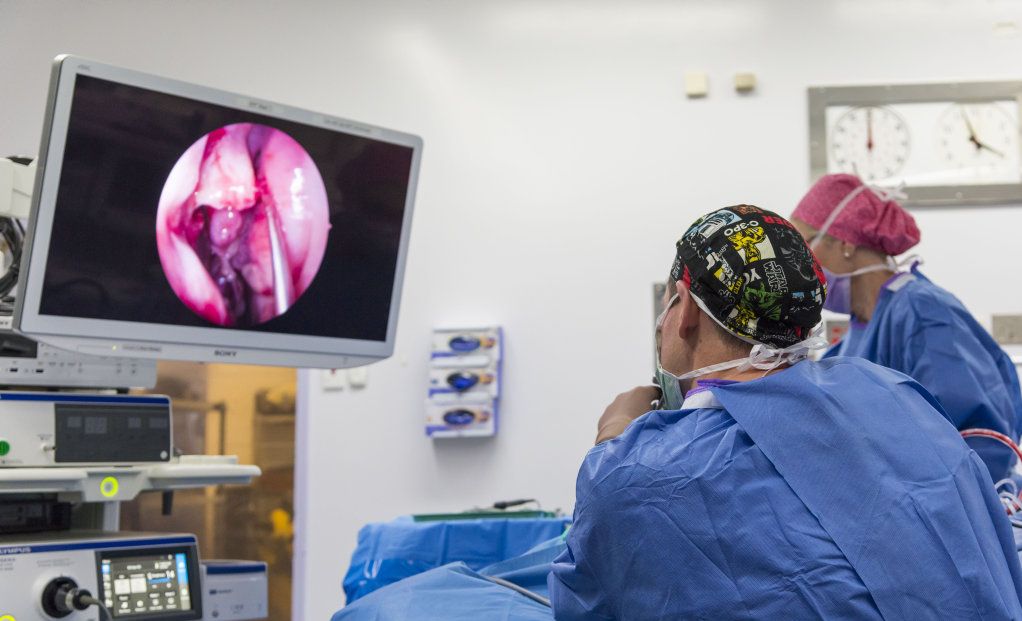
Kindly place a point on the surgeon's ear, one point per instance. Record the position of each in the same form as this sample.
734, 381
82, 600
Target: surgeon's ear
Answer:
848, 250
688, 312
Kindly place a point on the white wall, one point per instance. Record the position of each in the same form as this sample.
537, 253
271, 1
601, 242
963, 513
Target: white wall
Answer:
562, 161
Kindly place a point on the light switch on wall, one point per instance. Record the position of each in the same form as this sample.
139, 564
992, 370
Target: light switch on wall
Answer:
1007, 329
358, 377
745, 82
697, 84
333, 379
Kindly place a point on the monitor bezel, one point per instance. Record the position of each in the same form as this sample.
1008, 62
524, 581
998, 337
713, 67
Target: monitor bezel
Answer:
152, 340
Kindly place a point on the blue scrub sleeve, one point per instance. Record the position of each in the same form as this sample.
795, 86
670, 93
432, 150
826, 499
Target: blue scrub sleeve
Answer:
576, 591
955, 366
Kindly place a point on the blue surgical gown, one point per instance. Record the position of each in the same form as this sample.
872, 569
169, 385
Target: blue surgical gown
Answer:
454, 592
926, 333
833, 490
391, 551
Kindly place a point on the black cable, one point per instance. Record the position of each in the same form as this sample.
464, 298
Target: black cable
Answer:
88, 600
14, 237
507, 504
536, 597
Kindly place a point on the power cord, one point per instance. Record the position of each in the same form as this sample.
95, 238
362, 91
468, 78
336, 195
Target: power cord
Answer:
88, 600
536, 597
12, 232
508, 504
14, 239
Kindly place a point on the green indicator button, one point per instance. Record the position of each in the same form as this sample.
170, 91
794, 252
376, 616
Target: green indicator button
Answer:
5, 447
109, 487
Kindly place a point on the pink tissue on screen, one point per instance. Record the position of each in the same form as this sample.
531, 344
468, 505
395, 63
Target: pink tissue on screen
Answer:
242, 224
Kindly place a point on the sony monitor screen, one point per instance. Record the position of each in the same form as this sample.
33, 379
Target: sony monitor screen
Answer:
176, 221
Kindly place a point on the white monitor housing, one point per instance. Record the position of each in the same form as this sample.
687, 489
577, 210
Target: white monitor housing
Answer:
175, 221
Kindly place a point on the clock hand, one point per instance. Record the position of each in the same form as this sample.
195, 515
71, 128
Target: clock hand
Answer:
972, 136
869, 129
972, 130
980, 145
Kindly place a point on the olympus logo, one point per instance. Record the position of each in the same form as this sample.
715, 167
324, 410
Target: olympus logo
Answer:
225, 353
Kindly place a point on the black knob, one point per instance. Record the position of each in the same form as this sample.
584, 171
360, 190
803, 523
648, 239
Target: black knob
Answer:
55, 597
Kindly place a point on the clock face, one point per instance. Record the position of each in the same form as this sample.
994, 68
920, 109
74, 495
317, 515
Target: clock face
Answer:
979, 141
872, 142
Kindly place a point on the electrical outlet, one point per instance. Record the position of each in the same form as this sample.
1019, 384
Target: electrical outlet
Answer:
1008, 329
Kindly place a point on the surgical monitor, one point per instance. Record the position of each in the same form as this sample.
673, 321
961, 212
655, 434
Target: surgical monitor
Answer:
176, 221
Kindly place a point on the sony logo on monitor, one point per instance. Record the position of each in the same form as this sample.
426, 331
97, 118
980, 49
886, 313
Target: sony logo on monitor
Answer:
346, 125
259, 106
225, 353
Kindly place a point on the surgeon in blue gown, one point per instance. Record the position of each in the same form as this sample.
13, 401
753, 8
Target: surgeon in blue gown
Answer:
902, 320
765, 486
772, 487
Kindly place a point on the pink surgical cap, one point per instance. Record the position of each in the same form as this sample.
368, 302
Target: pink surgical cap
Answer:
867, 220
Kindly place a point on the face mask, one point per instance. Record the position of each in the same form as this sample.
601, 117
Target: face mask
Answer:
839, 286
763, 357
839, 293
672, 394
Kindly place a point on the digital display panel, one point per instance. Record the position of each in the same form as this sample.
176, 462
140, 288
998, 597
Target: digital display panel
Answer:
150, 585
94, 433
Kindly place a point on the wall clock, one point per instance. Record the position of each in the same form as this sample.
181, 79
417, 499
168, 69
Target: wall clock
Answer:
949, 144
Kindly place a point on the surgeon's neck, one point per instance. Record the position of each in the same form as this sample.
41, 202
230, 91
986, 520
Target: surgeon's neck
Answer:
711, 350
866, 290
747, 375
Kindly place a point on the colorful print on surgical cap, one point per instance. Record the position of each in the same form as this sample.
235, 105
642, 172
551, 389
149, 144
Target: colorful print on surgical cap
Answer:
242, 224
753, 273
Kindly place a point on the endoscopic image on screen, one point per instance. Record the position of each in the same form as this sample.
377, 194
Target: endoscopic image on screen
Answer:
242, 224
178, 212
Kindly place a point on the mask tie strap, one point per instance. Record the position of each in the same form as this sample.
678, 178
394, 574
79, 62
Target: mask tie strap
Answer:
767, 359
834, 214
